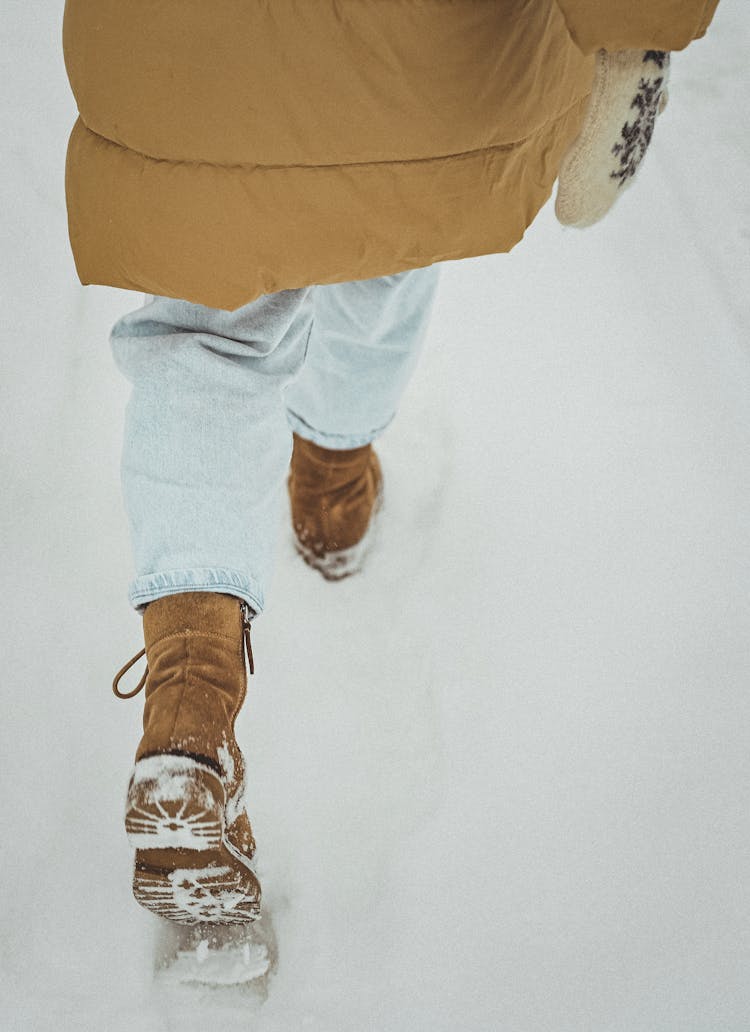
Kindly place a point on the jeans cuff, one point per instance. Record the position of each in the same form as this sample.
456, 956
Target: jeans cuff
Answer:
220, 579
336, 442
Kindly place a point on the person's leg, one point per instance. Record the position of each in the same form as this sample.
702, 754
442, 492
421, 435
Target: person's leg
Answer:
364, 345
206, 443
365, 342
206, 450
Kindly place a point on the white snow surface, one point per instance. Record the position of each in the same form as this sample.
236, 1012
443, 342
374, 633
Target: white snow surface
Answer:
217, 967
500, 781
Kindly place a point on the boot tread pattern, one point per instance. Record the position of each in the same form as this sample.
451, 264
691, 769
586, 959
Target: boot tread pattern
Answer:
186, 869
174, 802
218, 894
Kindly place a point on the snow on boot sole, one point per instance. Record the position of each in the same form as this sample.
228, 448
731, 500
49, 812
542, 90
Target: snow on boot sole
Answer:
186, 868
174, 802
218, 893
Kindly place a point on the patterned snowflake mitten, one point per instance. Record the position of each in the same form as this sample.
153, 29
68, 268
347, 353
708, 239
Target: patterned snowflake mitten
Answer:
629, 90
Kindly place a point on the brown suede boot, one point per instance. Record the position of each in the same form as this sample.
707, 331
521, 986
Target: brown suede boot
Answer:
185, 813
334, 496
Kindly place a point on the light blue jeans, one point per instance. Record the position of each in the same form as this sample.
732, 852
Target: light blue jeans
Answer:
215, 397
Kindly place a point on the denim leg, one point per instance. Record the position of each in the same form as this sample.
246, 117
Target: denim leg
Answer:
365, 342
207, 444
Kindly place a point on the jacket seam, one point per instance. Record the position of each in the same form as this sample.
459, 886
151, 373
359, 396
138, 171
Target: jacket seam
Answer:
703, 20
571, 30
254, 166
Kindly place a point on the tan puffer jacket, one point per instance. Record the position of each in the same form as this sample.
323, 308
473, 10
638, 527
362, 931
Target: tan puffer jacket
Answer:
233, 148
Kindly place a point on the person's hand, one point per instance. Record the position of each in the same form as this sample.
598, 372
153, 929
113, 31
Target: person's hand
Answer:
629, 90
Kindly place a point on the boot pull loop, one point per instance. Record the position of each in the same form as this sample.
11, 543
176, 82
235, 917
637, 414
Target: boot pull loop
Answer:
119, 675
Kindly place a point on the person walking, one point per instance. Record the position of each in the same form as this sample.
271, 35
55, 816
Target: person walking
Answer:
281, 181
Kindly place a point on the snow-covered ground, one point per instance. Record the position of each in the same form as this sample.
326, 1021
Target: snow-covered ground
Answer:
501, 780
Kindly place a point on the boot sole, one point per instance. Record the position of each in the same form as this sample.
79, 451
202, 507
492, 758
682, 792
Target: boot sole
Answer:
186, 869
219, 893
174, 802
336, 566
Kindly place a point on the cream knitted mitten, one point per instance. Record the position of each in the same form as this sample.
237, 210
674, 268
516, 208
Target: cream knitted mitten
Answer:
629, 90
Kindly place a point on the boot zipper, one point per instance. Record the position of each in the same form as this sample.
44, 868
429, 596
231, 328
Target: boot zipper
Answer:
247, 615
